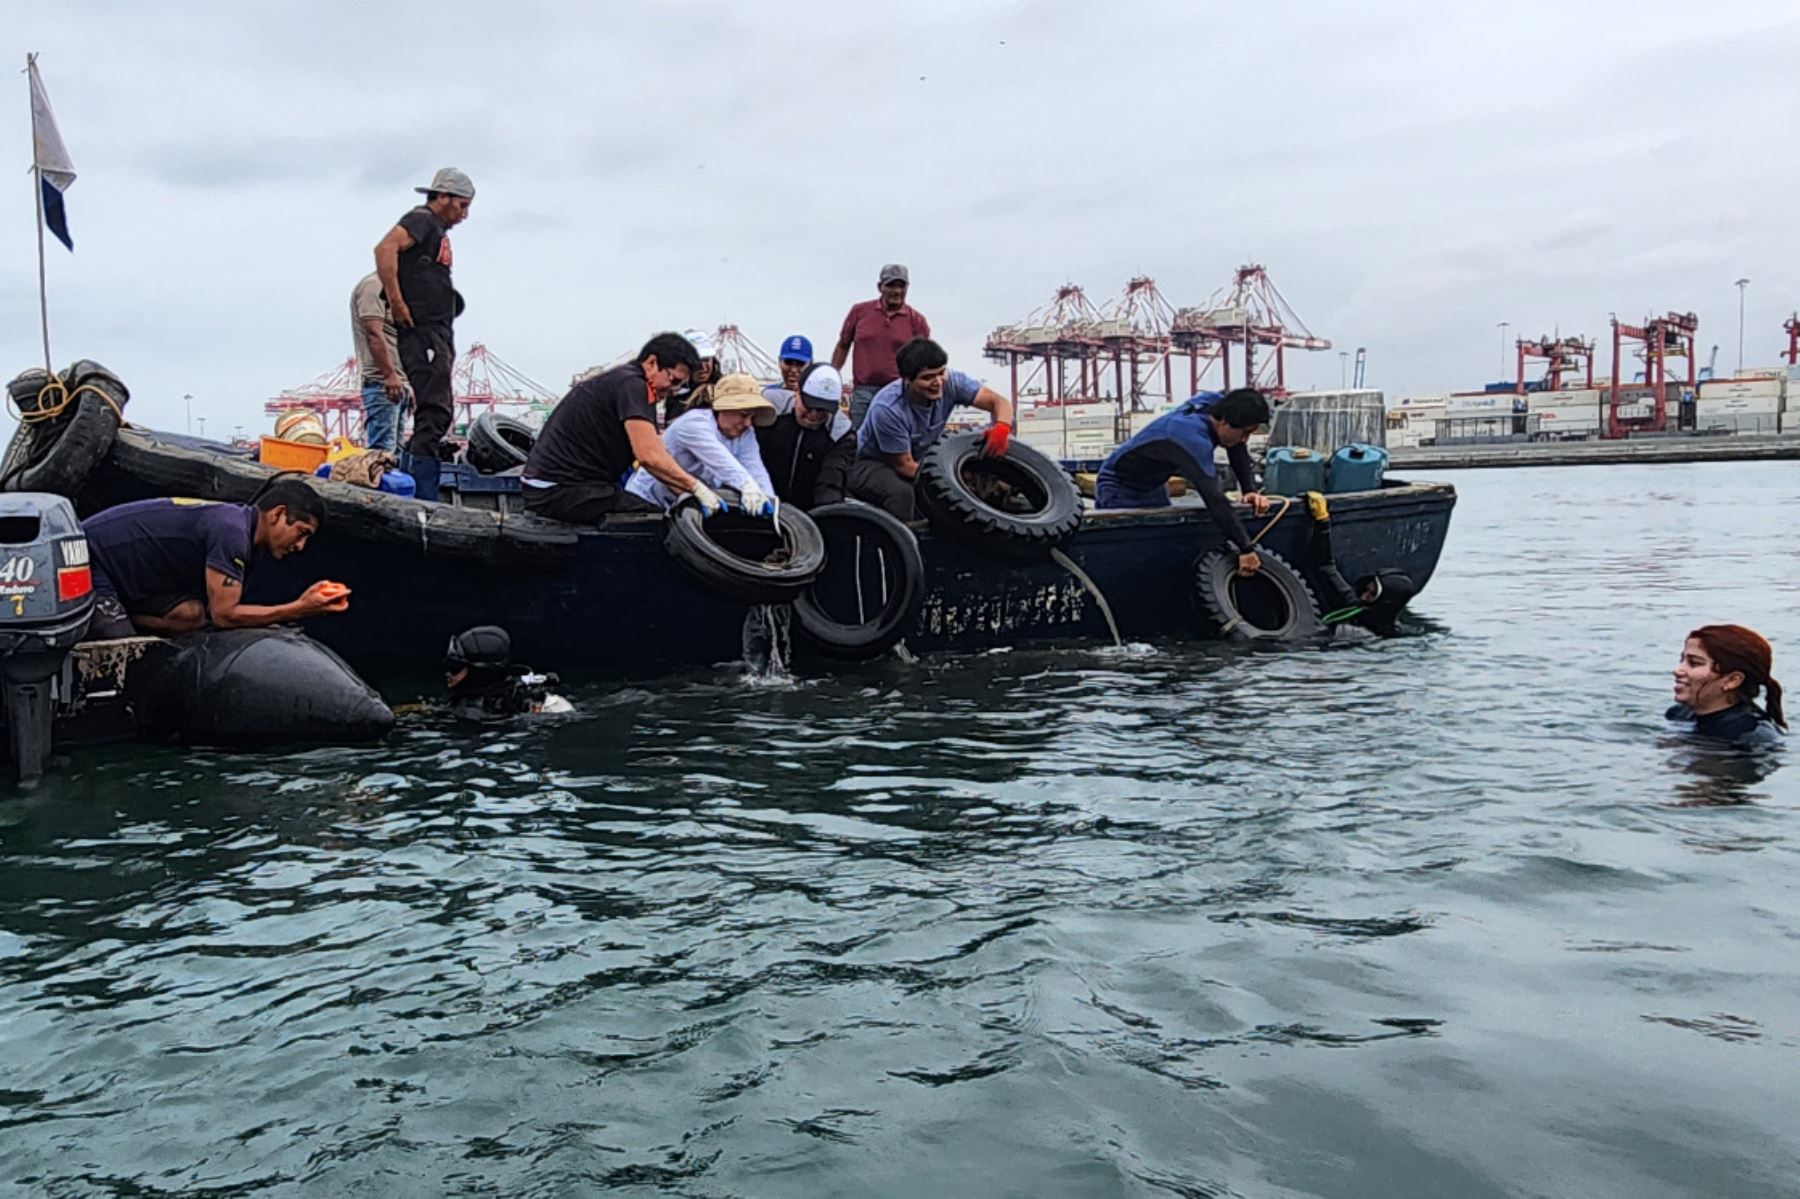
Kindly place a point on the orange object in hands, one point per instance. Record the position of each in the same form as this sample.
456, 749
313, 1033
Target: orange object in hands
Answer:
330, 590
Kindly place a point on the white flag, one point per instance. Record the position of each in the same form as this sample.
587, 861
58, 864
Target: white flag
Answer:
50, 157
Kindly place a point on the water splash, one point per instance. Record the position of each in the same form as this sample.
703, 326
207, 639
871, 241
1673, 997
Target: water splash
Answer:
768, 641
1068, 564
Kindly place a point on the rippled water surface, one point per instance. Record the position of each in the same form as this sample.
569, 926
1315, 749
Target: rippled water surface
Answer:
1448, 915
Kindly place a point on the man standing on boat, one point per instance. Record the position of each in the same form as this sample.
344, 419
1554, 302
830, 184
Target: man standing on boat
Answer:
875, 330
170, 566
907, 417
1183, 442
378, 364
413, 261
578, 465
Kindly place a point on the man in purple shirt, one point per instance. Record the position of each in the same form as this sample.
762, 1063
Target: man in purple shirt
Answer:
165, 566
876, 329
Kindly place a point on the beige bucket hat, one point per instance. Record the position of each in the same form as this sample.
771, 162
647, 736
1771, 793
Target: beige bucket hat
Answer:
741, 393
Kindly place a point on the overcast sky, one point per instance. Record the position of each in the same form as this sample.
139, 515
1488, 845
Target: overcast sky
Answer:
1411, 173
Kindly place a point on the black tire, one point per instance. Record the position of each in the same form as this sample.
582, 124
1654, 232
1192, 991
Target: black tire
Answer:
59, 455
705, 552
1275, 604
141, 465
860, 641
499, 443
947, 497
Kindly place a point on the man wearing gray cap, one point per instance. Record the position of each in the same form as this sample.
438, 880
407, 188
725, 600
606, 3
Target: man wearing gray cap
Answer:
413, 261
876, 329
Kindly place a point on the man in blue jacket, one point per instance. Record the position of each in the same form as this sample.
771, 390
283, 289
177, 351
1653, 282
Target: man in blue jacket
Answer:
1137, 474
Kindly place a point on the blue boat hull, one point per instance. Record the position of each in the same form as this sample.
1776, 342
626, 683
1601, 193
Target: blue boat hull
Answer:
621, 604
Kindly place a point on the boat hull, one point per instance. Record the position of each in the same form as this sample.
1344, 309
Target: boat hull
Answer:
611, 599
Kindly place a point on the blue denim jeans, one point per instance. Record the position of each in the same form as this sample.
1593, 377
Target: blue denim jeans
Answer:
859, 404
381, 418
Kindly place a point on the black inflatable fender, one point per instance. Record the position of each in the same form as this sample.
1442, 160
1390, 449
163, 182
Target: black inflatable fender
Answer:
717, 570
947, 501
1214, 584
440, 531
896, 617
256, 687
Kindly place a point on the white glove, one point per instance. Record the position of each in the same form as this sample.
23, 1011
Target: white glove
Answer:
755, 502
708, 499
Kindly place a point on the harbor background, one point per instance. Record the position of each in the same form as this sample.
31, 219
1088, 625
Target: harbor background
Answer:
1450, 914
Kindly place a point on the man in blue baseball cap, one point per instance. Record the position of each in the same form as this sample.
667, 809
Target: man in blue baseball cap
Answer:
796, 356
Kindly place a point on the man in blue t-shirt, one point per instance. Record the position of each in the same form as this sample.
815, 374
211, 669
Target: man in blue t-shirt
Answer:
174, 565
907, 417
1137, 474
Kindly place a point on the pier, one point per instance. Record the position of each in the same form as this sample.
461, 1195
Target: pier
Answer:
1738, 448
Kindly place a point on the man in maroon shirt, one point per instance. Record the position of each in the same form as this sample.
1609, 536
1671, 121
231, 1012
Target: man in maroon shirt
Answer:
876, 329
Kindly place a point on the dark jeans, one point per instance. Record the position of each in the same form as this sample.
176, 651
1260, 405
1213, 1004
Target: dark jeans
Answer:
876, 482
582, 503
859, 404
427, 352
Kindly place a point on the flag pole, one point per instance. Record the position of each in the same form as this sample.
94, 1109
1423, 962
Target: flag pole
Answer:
37, 205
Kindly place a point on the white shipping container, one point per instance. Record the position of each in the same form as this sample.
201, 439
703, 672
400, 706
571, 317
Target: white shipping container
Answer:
1747, 388
1040, 418
1638, 411
1075, 412
1711, 403
1141, 420
1544, 401
1478, 405
1568, 417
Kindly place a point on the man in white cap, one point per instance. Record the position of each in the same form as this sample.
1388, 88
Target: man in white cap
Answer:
875, 330
413, 261
809, 449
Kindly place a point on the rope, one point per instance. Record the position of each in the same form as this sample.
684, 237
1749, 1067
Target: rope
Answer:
49, 409
1287, 501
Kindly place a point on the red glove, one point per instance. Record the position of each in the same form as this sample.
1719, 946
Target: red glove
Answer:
995, 440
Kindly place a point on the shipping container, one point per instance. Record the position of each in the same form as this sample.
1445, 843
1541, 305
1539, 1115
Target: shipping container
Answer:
1736, 405
1547, 401
1741, 388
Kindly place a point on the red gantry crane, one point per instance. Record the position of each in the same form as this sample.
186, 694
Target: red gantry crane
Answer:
1634, 408
1051, 337
1563, 355
481, 381
1250, 312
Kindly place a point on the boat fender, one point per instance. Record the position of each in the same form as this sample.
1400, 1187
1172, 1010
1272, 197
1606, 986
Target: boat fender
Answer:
256, 687
1275, 604
66, 427
853, 534
499, 443
734, 556
955, 485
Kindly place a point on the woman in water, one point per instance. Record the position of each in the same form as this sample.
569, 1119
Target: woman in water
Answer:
1722, 669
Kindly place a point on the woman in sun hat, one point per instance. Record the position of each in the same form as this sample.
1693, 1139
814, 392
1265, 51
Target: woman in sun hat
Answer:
1722, 669
717, 445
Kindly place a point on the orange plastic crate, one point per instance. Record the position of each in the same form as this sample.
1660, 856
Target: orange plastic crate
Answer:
292, 455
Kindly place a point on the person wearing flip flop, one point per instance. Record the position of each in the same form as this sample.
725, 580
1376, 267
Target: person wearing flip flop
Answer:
717, 446
1182, 442
907, 417
169, 566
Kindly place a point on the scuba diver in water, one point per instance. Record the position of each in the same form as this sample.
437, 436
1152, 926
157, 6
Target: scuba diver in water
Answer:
1375, 603
1721, 670
485, 685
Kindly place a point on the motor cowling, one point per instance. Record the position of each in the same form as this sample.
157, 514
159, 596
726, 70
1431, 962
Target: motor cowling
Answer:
46, 601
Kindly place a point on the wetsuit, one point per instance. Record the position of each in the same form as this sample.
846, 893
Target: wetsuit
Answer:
490, 694
1744, 725
1137, 474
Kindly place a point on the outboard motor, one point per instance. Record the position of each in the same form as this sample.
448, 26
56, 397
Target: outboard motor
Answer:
46, 598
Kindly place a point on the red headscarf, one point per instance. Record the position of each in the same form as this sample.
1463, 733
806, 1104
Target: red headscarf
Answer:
1732, 647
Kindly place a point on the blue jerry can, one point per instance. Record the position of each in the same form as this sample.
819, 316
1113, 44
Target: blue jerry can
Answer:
1358, 468
1293, 470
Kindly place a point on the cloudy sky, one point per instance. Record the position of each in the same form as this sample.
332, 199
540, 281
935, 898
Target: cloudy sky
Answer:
1411, 173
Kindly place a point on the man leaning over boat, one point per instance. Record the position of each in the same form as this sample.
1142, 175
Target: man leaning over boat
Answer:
168, 566
1183, 442
578, 466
